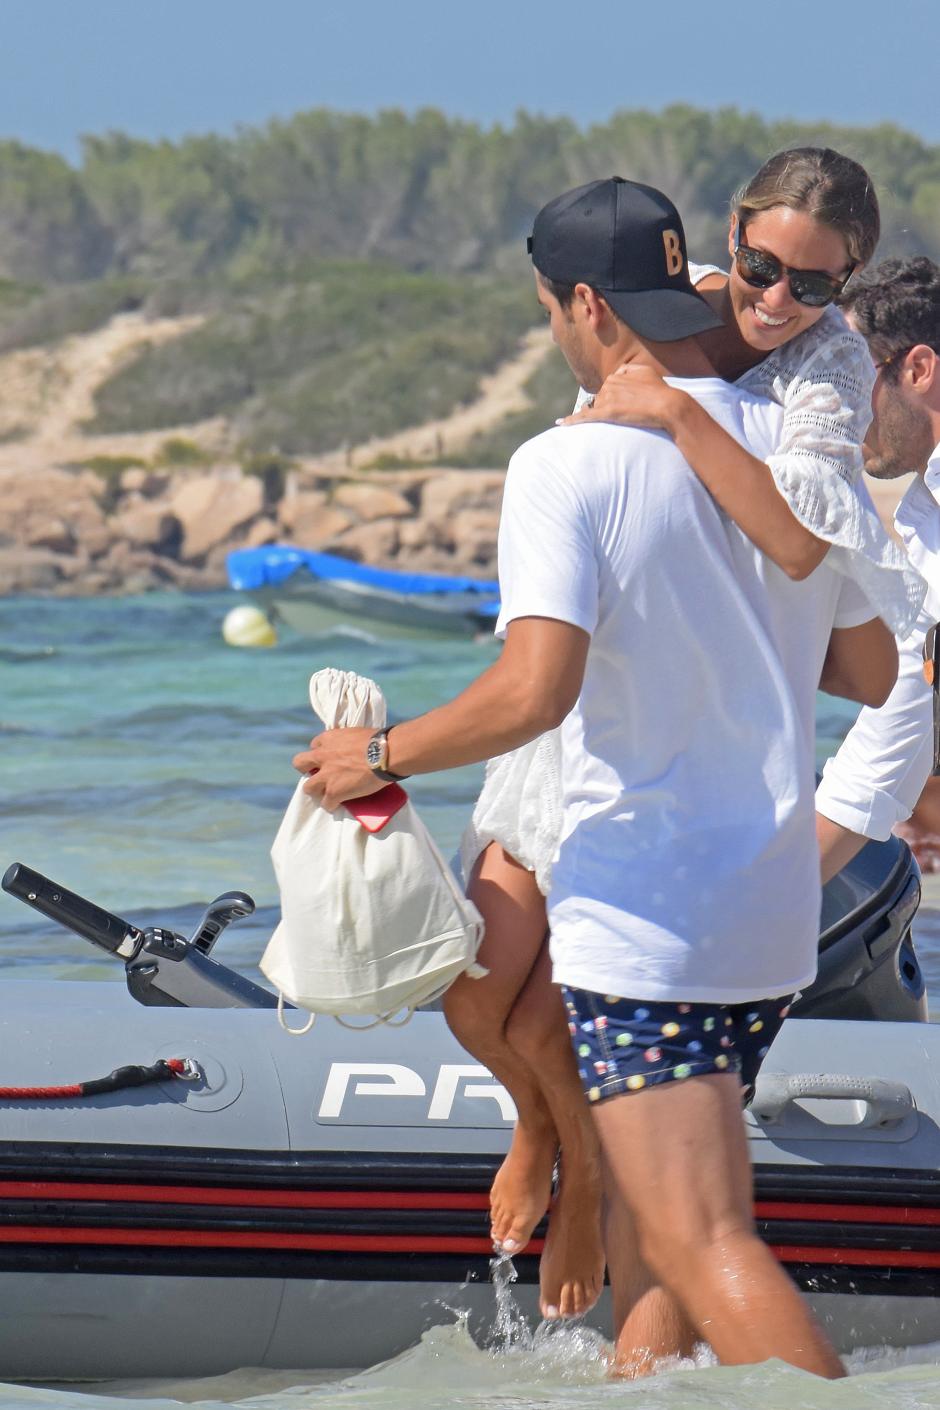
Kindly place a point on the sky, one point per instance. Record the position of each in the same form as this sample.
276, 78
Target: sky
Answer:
168, 68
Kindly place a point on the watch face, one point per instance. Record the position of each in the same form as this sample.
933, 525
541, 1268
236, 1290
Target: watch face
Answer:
374, 753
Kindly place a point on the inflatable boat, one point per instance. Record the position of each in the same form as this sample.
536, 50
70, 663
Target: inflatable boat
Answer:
312, 592
185, 1188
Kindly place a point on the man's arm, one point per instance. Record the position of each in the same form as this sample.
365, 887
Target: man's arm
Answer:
878, 774
837, 846
861, 663
530, 688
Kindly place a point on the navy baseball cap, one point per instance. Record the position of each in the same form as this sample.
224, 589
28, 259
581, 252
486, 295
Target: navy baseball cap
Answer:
626, 241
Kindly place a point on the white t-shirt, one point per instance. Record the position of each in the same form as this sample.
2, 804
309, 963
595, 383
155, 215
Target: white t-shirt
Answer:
687, 867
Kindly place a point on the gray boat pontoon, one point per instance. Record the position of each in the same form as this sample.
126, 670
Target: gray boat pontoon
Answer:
319, 1201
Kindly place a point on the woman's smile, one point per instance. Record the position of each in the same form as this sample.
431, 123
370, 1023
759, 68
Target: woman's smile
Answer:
767, 318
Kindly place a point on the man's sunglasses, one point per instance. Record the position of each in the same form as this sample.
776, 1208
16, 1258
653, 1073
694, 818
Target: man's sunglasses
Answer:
761, 270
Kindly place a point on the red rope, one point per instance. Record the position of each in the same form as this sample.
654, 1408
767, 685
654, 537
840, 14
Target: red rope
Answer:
116, 1081
19, 1094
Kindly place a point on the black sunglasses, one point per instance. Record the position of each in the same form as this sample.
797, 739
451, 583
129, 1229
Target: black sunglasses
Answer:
761, 270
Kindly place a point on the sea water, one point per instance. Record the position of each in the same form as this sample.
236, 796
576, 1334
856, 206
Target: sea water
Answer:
145, 765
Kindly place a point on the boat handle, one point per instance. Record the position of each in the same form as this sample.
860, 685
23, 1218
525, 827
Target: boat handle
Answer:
886, 1103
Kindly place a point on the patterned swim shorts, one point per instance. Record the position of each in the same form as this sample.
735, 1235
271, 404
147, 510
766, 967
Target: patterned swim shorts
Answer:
626, 1045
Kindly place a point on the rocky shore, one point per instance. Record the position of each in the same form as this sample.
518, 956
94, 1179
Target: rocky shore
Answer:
66, 531
78, 531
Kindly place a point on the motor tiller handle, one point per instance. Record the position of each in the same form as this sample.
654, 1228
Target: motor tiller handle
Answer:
102, 928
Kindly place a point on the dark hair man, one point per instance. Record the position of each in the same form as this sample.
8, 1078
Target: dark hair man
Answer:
687, 875
877, 775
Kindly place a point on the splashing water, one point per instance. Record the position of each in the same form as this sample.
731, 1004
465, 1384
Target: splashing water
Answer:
510, 1327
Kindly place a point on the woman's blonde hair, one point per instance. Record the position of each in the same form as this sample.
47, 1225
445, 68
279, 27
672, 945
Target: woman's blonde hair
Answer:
833, 189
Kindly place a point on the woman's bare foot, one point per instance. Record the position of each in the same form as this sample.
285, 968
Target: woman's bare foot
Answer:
571, 1270
522, 1188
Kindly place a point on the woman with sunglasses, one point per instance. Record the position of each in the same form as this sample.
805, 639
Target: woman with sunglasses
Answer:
799, 229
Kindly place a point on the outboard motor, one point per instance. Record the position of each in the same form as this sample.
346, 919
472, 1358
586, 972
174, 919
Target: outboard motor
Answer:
867, 965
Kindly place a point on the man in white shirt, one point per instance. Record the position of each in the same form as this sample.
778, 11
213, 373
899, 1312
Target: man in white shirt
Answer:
686, 893
877, 775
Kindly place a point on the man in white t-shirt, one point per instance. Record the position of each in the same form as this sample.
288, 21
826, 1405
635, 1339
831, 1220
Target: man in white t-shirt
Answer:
685, 897
878, 774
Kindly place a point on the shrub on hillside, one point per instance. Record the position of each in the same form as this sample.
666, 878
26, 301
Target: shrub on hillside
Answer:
356, 351
179, 451
551, 389
47, 315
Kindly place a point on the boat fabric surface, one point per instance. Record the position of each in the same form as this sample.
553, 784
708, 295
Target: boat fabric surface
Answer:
308, 1203
252, 568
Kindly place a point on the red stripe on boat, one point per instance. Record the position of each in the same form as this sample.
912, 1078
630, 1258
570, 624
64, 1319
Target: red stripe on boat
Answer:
846, 1213
857, 1257
407, 1243
392, 1200
208, 1238
261, 1199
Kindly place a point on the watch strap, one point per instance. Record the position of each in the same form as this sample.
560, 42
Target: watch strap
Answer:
384, 774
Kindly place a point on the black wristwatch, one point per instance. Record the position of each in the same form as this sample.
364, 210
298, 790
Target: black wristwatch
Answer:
377, 757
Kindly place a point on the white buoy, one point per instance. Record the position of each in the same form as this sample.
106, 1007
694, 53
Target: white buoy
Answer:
248, 626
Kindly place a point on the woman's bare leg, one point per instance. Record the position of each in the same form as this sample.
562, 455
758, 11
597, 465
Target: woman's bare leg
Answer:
477, 1010
571, 1272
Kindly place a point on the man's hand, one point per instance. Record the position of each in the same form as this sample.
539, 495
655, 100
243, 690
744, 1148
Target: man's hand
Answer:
336, 763
631, 396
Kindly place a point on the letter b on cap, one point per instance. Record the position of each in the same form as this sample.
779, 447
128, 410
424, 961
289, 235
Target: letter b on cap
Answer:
673, 248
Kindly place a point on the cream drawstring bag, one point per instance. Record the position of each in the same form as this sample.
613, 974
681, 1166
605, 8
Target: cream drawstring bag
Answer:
371, 923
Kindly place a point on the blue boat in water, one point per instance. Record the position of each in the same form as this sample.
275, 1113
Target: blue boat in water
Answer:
312, 592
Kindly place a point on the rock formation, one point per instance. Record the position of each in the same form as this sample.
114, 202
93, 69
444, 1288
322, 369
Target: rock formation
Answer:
78, 531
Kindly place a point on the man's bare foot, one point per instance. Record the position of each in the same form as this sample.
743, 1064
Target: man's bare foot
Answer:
522, 1188
571, 1270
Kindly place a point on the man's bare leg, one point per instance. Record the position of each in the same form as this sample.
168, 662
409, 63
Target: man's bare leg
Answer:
571, 1272
678, 1157
649, 1325
477, 1010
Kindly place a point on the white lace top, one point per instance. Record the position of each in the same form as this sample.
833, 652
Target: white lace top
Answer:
823, 379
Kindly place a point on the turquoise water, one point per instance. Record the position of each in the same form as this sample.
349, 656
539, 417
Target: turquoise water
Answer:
146, 765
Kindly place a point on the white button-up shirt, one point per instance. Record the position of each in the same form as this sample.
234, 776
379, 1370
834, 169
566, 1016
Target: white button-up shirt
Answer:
917, 521
877, 776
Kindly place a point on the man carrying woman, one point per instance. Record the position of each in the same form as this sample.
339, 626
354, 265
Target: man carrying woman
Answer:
804, 223
686, 877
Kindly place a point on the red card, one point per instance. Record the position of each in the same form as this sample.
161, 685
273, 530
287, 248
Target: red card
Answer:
379, 808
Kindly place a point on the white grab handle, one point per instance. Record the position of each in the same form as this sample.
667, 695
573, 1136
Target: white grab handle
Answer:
886, 1103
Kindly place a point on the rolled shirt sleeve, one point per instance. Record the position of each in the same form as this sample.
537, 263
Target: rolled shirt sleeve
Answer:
879, 772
